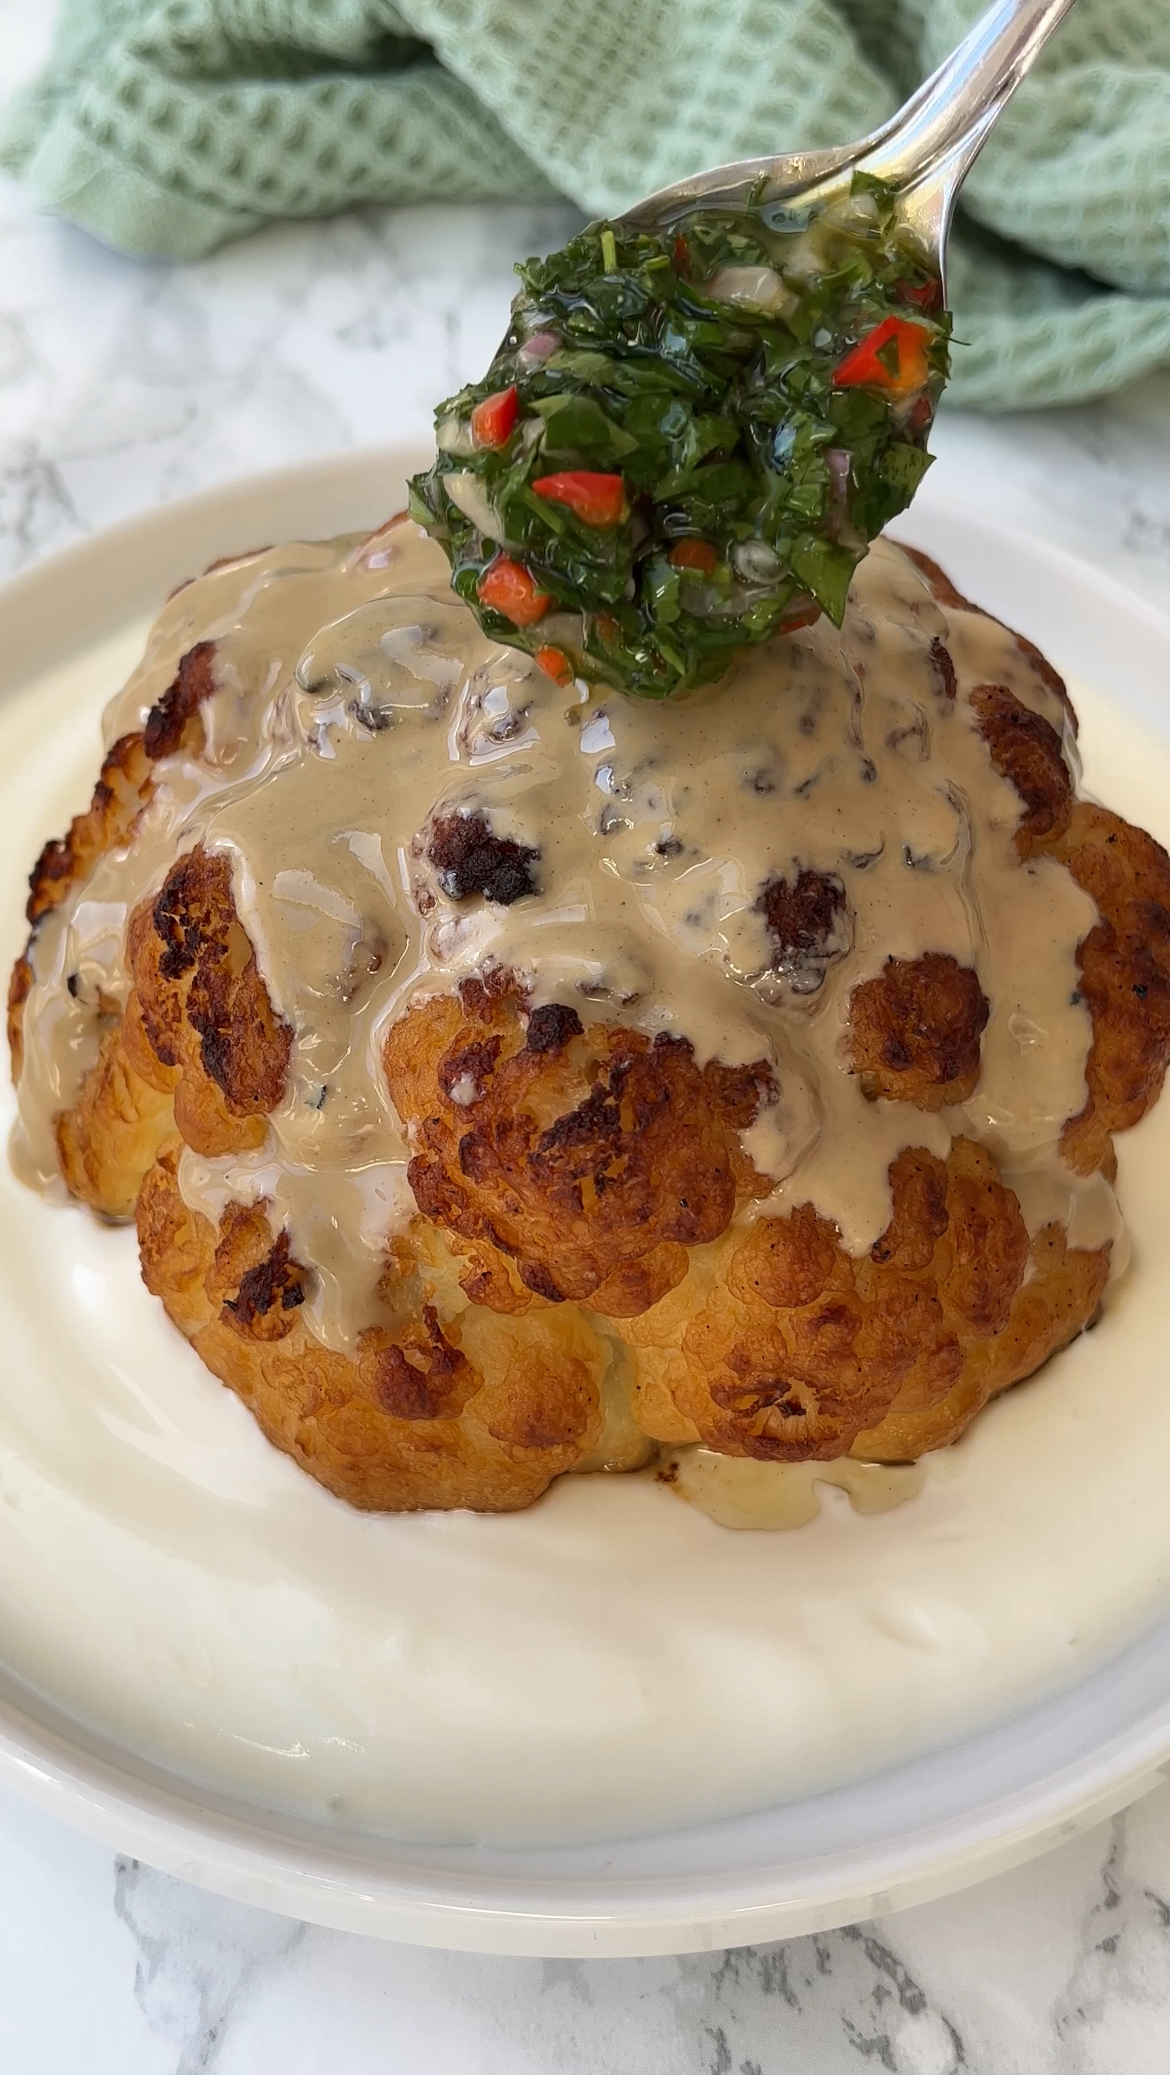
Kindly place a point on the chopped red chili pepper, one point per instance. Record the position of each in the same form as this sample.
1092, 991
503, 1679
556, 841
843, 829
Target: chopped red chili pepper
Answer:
493, 419
656, 610
891, 357
597, 500
806, 616
921, 414
508, 588
555, 664
695, 554
926, 295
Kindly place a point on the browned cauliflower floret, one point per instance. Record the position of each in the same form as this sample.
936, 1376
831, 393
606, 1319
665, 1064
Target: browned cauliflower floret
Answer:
204, 1009
111, 1137
592, 1158
20, 981
198, 1048
1060, 1298
783, 1346
451, 1408
1125, 975
1026, 749
1125, 960
914, 1031
807, 918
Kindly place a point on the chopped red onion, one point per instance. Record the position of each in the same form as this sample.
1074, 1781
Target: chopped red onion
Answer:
839, 462
536, 350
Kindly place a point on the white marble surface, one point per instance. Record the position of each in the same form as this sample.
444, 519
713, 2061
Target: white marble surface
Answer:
122, 385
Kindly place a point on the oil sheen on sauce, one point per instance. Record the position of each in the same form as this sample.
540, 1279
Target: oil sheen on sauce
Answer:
609, 1661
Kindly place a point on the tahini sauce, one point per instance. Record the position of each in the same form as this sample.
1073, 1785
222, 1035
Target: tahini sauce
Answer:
356, 697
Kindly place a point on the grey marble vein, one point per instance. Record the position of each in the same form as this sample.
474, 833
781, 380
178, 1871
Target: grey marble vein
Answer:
193, 1967
1061, 1966
1122, 1961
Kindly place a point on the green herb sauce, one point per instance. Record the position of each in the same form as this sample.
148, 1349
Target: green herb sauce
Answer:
726, 369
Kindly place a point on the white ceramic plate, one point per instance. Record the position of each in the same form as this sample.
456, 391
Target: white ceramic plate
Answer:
927, 1827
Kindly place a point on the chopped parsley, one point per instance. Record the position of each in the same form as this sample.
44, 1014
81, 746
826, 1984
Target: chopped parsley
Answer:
689, 437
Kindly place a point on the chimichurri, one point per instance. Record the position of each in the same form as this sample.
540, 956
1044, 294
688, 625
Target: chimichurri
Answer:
689, 436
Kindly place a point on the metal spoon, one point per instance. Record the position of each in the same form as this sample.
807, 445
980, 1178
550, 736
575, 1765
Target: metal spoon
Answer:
924, 151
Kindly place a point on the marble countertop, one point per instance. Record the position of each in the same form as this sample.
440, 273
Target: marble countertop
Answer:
123, 385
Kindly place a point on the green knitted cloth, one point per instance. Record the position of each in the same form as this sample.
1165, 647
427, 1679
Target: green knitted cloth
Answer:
168, 126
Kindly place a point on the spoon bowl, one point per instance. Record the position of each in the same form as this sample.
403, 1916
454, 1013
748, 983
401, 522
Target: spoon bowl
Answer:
923, 152
703, 411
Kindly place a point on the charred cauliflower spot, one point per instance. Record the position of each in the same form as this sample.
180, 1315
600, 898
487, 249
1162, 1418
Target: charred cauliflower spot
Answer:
551, 1026
424, 1377
204, 1009
107, 1141
20, 981
198, 1048
914, 1031
121, 792
173, 721
469, 858
1125, 976
807, 919
268, 1289
940, 656
591, 1158
124, 785
1025, 748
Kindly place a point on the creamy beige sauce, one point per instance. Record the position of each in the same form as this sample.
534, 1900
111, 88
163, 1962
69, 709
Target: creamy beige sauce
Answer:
356, 698
737, 1492
609, 1661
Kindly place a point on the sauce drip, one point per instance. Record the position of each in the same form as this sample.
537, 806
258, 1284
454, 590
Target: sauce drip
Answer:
739, 1493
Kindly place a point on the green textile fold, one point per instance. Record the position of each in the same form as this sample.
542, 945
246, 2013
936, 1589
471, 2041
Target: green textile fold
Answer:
166, 127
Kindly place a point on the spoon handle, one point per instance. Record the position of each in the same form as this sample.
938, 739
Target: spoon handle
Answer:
927, 148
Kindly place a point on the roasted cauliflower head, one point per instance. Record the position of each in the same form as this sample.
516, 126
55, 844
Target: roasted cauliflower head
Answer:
505, 1079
